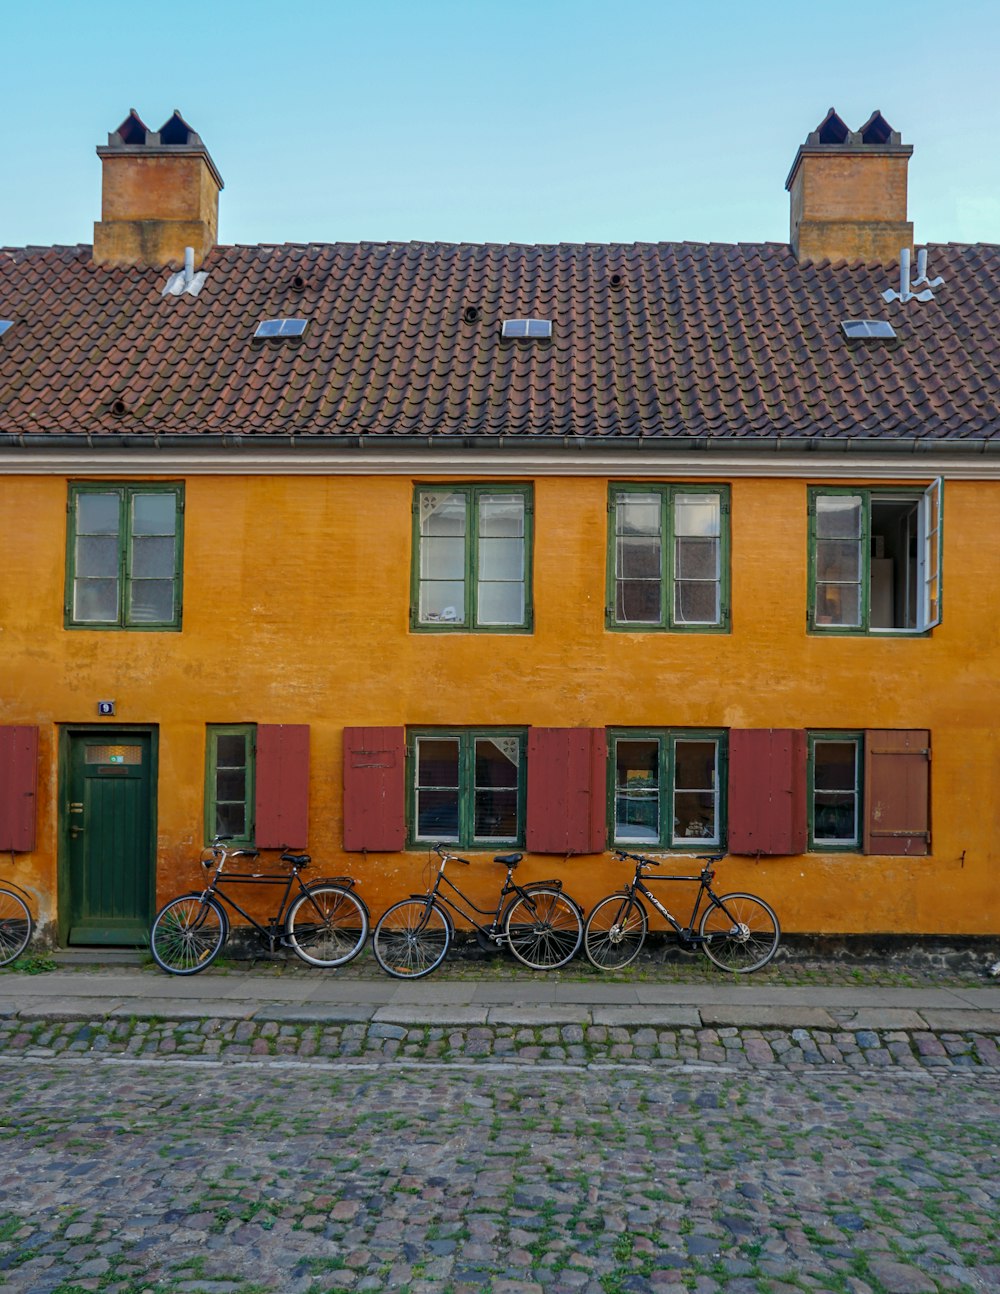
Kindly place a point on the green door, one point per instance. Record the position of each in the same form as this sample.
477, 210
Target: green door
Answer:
110, 856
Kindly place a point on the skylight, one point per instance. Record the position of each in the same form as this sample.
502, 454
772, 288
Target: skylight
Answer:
4, 325
281, 328
868, 330
526, 328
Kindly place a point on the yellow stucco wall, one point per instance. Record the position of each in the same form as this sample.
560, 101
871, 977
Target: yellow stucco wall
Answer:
296, 598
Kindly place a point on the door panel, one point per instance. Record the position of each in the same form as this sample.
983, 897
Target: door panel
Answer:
109, 829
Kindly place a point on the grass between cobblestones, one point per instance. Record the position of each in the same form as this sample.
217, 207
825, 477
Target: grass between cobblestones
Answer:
157, 1178
228, 1041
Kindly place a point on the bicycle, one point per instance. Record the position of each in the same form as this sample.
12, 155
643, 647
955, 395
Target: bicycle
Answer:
325, 923
542, 926
739, 932
16, 924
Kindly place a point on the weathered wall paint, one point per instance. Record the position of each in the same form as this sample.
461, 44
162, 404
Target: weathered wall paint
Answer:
296, 596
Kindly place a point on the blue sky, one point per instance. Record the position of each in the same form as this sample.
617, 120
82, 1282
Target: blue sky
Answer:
499, 120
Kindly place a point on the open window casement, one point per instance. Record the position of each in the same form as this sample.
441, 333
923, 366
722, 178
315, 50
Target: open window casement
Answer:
931, 553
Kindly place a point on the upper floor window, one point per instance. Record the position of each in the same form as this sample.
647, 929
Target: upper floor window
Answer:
472, 558
875, 559
668, 560
467, 786
666, 788
124, 546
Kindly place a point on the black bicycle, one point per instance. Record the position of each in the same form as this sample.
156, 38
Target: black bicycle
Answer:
739, 932
542, 926
325, 923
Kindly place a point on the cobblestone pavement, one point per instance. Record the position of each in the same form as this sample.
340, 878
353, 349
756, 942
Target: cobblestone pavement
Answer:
230, 1158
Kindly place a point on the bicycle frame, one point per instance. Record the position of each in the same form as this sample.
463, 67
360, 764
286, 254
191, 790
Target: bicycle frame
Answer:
704, 878
509, 889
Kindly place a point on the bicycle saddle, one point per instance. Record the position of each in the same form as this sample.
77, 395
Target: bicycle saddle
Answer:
297, 860
508, 860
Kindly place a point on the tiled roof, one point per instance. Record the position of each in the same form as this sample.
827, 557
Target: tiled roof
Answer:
691, 341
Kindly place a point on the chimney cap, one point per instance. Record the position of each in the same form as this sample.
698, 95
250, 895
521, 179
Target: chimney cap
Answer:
832, 136
133, 137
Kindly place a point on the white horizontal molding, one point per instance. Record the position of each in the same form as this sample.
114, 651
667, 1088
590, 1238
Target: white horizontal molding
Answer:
243, 459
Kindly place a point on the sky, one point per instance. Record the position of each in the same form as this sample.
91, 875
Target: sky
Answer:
534, 121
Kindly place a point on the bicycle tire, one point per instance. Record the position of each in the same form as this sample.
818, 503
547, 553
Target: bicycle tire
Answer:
544, 928
188, 934
327, 925
615, 932
412, 938
16, 926
748, 944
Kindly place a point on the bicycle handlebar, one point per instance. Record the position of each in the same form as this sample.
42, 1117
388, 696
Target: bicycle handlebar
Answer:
449, 858
658, 862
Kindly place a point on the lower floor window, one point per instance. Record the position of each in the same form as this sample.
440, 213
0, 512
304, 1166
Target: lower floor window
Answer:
229, 794
835, 790
666, 788
467, 787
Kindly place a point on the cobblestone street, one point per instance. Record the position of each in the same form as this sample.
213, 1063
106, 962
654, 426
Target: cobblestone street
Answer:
732, 1166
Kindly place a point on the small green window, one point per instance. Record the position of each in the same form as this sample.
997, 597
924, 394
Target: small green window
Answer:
665, 788
835, 790
123, 567
467, 787
875, 560
472, 558
668, 557
229, 776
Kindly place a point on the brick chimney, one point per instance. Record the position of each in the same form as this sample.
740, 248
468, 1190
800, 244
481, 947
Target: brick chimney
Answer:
160, 194
849, 193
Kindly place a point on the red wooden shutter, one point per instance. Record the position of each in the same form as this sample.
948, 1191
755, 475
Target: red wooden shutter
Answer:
897, 792
18, 787
767, 791
281, 772
567, 780
374, 788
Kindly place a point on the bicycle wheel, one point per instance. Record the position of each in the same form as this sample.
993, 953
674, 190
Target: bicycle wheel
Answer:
615, 931
544, 928
411, 939
188, 934
327, 926
741, 933
16, 926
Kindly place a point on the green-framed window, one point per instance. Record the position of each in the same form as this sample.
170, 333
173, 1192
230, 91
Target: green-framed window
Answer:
123, 562
835, 782
229, 782
875, 559
466, 786
665, 787
472, 558
668, 557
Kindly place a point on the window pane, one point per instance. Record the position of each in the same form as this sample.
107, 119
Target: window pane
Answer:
835, 765
152, 558
97, 514
697, 514
838, 604
95, 601
501, 516
638, 602
230, 750
695, 799
638, 514
97, 555
442, 601
154, 514
838, 560
501, 559
501, 604
696, 559
442, 514
230, 819
496, 761
231, 784
696, 604
151, 601
442, 558
437, 815
496, 815
637, 791
638, 558
838, 516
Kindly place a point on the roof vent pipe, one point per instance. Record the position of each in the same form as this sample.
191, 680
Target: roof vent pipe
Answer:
922, 271
185, 280
906, 292
188, 267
